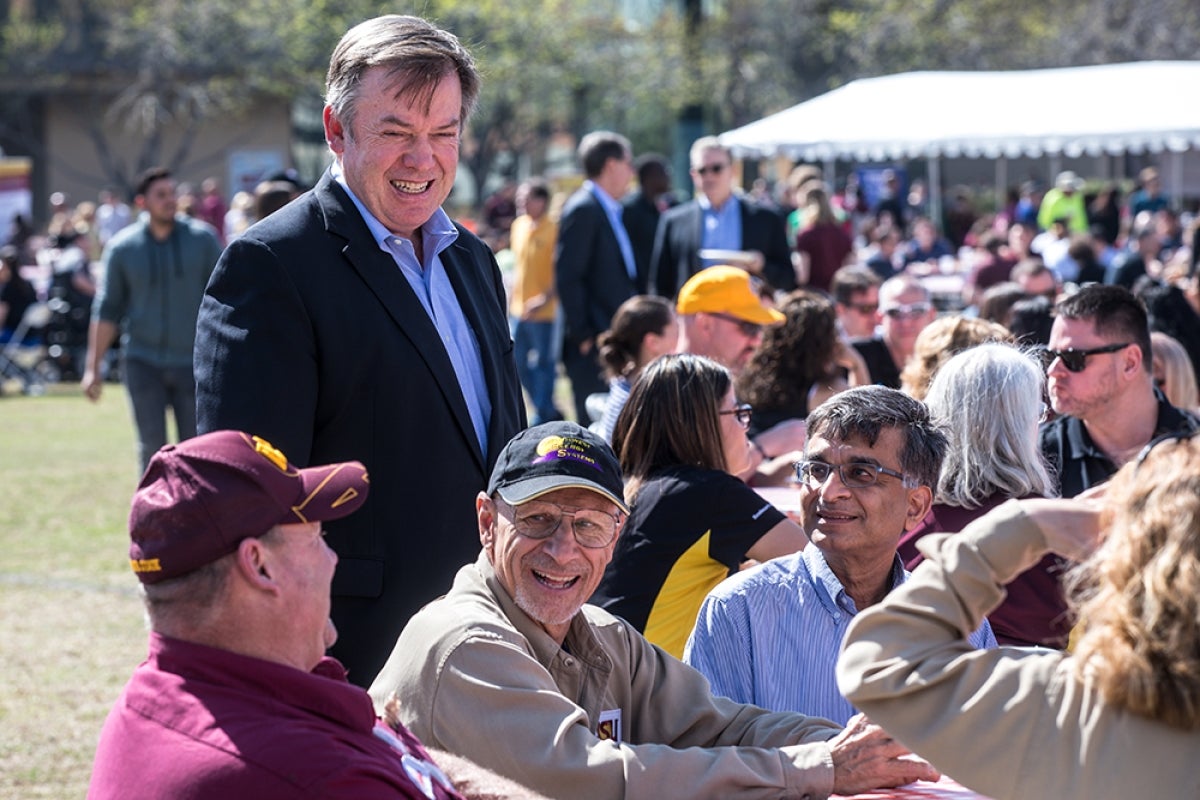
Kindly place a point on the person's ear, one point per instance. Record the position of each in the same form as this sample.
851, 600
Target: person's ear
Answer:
335, 133
920, 500
485, 512
255, 564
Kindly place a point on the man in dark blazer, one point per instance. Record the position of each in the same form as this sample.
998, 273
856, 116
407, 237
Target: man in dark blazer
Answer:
643, 209
360, 323
718, 219
594, 266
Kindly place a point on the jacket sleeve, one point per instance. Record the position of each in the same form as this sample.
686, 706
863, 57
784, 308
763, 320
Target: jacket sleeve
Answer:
539, 737
777, 257
986, 717
663, 279
574, 252
255, 352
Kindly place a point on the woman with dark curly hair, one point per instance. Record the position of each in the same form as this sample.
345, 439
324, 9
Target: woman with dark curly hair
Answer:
1120, 717
681, 440
799, 364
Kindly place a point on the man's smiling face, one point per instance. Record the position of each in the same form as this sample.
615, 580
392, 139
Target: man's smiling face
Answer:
399, 154
861, 523
549, 579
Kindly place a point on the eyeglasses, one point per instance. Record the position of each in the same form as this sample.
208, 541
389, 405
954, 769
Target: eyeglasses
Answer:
908, 312
1076, 360
715, 169
854, 475
748, 329
539, 519
864, 308
1174, 436
740, 412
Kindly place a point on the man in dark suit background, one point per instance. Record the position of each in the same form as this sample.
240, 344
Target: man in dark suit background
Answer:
361, 323
718, 219
643, 209
594, 265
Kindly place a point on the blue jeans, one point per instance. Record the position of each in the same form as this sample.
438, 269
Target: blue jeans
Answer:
151, 389
533, 347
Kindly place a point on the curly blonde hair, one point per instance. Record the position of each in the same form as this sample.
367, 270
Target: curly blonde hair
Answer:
1139, 593
938, 342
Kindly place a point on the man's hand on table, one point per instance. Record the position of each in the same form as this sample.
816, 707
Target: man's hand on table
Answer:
865, 757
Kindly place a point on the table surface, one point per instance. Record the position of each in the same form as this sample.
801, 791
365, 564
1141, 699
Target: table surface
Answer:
921, 790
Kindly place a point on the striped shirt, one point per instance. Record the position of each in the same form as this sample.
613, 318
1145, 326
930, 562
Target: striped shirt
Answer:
770, 635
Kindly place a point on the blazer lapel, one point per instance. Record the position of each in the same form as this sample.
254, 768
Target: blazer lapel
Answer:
379, 271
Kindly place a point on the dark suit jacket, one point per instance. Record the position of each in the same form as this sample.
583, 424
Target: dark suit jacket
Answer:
310, 336
676, 255
641, 216
588, 268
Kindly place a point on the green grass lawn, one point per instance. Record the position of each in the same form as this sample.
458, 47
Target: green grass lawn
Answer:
72, 622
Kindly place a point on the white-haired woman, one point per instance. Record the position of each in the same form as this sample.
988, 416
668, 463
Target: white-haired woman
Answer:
989, 398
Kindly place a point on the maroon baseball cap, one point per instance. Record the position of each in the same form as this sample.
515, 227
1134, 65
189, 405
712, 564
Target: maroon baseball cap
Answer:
203, 496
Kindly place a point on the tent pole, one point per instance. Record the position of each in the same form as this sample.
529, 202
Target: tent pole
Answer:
1001, 184
935, 192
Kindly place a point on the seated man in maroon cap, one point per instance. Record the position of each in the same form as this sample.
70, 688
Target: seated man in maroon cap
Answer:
237, 698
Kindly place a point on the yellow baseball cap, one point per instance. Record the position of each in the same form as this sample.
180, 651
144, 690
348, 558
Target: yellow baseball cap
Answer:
725, 290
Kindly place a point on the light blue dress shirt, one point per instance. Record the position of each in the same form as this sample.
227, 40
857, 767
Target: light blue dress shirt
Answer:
770, 635
613, 210
432, 287
720, 230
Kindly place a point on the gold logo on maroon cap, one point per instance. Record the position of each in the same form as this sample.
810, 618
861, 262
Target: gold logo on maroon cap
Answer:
270, 452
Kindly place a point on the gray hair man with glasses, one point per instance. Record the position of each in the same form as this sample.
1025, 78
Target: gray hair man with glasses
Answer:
1100, 377
770, 635
514, 670
905, 308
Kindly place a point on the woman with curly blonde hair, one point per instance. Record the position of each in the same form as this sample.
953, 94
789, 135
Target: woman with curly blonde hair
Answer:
1121, 717
938, 342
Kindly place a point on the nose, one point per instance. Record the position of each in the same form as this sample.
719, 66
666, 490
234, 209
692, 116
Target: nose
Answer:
561, 544
419, 152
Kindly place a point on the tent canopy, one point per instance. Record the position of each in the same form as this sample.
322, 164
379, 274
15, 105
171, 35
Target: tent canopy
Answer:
1109, 109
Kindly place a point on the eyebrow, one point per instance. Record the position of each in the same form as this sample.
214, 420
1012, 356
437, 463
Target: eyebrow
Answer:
392, 119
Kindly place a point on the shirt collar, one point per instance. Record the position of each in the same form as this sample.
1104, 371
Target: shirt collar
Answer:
439, 230
611, 206
830, 590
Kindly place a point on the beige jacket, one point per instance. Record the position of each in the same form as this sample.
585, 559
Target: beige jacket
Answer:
1010, 723
607, 716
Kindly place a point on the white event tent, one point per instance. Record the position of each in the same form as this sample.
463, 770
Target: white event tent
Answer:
1111, 109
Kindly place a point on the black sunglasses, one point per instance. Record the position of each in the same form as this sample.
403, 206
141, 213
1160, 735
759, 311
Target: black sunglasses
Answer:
1076, 360
715, 169
748, 329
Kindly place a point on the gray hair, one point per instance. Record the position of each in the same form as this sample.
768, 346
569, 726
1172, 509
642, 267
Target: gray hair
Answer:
864, 411
416, 54
989, 399
703, 145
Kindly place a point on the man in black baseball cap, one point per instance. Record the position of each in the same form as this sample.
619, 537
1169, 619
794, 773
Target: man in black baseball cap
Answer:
515, 670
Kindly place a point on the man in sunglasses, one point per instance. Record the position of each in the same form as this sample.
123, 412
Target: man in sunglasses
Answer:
905, 308
1100, 378
718, 219
514, 670
770, 635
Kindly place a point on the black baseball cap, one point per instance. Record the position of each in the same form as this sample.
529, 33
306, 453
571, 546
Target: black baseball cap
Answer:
556, 455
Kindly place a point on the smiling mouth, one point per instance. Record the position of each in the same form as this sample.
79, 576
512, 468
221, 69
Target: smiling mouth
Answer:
834, 516
554, 583
410, 187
